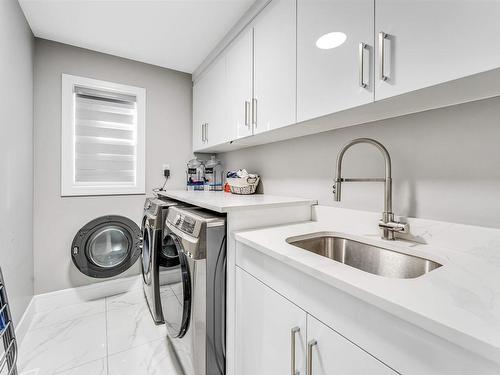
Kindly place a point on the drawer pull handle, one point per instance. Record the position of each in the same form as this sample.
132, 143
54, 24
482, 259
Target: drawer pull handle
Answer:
310, 346
293, 335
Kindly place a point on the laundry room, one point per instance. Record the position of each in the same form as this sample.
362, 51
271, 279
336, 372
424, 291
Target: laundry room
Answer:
249, 187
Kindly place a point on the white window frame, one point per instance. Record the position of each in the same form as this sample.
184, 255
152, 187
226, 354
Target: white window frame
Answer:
68, 185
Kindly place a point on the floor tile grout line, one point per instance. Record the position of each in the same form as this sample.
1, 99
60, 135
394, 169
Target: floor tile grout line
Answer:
65, 321
139, 345
66, 305
74, 367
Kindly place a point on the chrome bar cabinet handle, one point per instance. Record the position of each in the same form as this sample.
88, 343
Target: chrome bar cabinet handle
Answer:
381, 54
362, 48
206, 131
254, 112
293, 335
310, 346
247, 113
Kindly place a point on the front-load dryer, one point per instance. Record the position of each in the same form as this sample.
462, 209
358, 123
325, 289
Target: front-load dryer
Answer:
194, 303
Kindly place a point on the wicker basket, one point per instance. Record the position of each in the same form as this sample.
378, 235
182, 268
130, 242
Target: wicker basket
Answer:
243, 186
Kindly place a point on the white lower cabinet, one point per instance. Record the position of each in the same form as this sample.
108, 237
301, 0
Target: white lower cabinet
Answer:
272, 335
330, 353
267, 326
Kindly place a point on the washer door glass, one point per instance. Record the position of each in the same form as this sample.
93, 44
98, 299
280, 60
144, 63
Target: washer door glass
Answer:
176, 296
168, 256
106, 246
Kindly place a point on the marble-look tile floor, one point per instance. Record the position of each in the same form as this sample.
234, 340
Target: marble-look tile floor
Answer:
110, 336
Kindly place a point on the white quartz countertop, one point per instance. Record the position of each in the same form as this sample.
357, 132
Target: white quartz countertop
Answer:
224, 202
459, 301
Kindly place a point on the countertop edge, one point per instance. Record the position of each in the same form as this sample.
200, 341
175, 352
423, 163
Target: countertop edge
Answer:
230, 208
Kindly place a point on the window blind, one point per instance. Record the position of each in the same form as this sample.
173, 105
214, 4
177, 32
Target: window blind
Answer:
105, 137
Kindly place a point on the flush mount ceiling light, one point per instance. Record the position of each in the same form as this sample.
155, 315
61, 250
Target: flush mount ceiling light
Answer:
331, 40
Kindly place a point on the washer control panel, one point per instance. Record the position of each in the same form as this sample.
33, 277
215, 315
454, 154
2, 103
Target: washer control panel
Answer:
187, 224
192, 220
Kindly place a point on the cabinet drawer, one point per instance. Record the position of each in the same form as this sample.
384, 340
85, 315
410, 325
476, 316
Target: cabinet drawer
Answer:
330, 353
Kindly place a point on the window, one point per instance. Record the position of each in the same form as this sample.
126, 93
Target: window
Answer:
103, 137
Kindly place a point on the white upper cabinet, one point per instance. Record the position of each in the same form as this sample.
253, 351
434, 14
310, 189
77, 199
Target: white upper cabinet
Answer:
275, 66
239, 72
303, 59
200, 105
210, 118
335, 52
430, 42
330, 353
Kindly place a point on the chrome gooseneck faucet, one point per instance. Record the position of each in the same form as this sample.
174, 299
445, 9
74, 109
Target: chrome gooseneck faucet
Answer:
387, 223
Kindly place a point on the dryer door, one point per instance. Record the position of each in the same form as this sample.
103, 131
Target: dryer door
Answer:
148, 243
106, 246
176, 297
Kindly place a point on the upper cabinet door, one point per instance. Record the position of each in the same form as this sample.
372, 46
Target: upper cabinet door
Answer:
330, 353
217, 129
430, 42
239, 84
200, 105
335, 53
210, 120
275, 66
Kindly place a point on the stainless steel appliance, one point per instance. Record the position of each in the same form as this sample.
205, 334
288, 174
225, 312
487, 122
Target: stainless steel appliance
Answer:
155, 214
194, 305
110, 245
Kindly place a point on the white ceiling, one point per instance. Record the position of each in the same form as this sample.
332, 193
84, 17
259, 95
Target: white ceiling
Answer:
176, 34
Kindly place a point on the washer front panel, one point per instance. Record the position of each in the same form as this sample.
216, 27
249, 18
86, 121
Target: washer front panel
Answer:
106, 246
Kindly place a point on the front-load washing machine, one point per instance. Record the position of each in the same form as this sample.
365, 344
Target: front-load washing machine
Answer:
106, 246
153, 252
110, 245
194, 305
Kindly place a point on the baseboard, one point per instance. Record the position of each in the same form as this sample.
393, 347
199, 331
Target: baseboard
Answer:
24, 324
70, 296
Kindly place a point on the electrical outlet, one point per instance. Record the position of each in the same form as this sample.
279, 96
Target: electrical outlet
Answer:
166, 170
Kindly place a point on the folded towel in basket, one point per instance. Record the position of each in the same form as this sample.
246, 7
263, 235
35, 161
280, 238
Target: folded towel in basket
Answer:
240, 173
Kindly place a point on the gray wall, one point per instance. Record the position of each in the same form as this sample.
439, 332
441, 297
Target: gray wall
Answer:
446, 164
16, 155
168, 140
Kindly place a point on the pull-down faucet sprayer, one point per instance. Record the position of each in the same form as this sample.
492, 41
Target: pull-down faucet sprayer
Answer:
387, 223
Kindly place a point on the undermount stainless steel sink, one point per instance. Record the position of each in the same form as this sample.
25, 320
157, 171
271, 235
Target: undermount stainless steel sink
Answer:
368, 258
